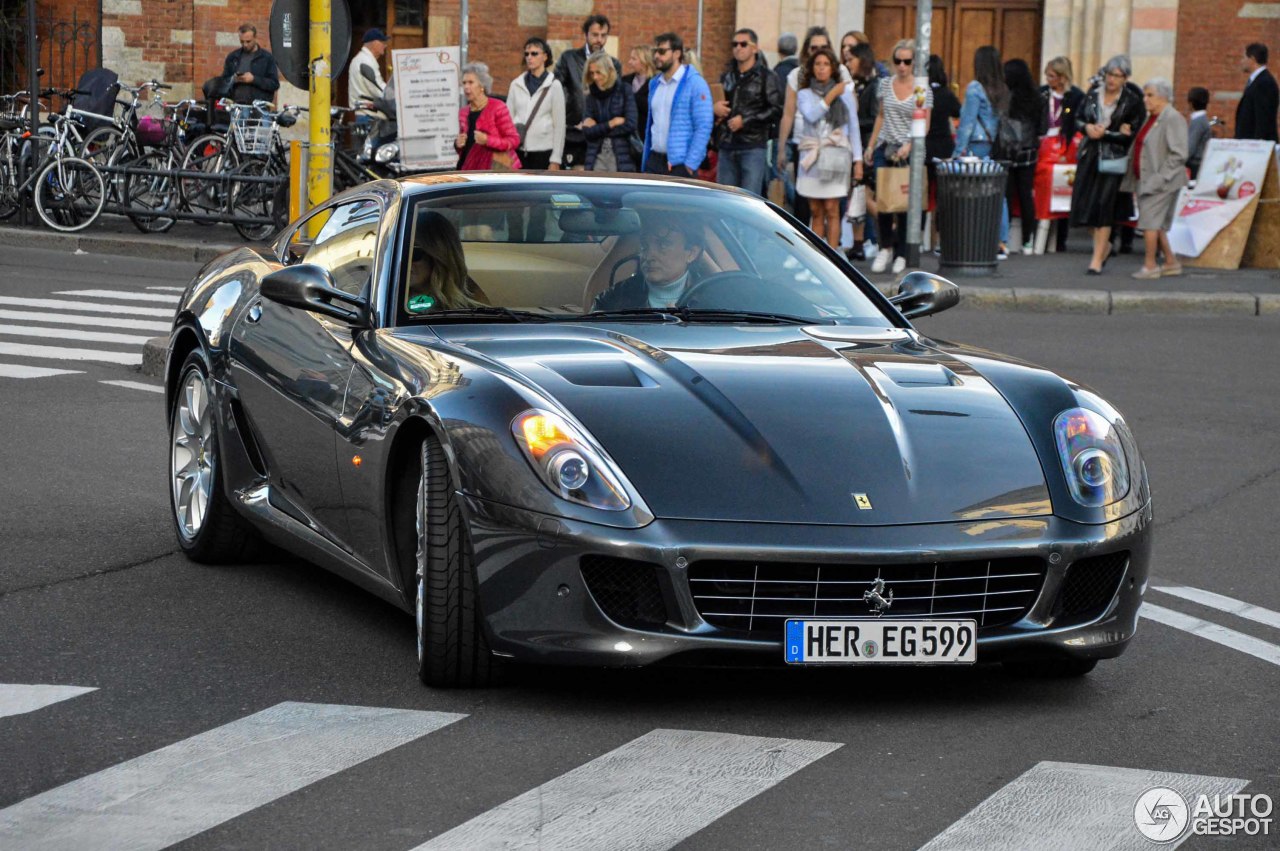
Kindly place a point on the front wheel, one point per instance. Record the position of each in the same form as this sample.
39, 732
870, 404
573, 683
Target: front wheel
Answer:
452, 649
148, 196
254, 198
69, 194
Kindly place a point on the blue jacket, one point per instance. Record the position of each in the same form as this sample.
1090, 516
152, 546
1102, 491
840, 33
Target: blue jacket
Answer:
618, 102
691, 121
979, 122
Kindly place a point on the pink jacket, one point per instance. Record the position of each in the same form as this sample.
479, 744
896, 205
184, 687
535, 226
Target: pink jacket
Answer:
495, 121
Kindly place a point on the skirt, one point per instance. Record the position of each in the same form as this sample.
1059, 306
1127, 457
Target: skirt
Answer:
1156, 211
810, 185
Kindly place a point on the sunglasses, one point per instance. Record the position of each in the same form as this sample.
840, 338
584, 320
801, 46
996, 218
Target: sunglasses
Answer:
740, 43
897, 61
533, 53
662, 51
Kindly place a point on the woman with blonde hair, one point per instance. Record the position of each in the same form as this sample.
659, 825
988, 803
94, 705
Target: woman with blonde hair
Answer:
438, 269
642, 70
610, 117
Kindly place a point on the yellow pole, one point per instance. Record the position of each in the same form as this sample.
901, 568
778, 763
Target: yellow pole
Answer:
320, 170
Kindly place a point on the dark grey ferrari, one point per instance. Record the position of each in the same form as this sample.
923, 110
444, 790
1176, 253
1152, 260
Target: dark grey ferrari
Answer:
612, 421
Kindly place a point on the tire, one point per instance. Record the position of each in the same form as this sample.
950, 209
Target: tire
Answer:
452, 649
210, 154
69, 194
152, 193
99, 145
10, 200
254, 199
1051, 669
218, 535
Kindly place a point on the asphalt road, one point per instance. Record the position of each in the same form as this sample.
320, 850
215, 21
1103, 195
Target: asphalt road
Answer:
224, 666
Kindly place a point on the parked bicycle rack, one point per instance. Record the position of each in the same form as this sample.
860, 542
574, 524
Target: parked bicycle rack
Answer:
184, 215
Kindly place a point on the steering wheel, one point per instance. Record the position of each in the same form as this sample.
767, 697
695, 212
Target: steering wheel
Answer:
736, 290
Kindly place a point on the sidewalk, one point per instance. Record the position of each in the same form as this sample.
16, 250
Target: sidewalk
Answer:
1047, 283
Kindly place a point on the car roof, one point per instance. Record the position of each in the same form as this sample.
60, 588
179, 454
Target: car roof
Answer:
423, 183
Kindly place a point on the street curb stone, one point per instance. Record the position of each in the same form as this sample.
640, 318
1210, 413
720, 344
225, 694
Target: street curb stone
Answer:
988, 298
1268, 304
155, 352
1062, 301
1244, 304
126, 246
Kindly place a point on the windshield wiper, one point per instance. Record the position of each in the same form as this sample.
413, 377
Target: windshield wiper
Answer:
633, 314
753, 316
495, 314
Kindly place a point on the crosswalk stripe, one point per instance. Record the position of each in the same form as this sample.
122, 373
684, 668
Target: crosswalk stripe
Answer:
95, 321
169, 289
15, 370
86, 306
58, 353
1210, 631
1239, 608
1070, 806
649, 794
16, 699
70, 334
135, 385
123, 295
173, 793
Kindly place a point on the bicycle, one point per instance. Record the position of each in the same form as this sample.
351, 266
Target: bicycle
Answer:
68, 192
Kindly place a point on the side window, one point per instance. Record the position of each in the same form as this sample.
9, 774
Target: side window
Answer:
347, 243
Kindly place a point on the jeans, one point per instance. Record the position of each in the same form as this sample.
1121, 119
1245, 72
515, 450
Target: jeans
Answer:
744, 168
982, 150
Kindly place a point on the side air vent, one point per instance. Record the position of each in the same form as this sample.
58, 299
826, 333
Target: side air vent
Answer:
629, 592
1090, 585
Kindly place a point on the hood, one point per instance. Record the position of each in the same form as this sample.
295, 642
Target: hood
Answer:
832, 425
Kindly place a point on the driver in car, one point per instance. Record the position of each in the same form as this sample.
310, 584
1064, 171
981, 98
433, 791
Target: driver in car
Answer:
669, 245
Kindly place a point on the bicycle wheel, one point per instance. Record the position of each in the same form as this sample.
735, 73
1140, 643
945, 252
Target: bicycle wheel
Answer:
151, 193
253, 199
211, 155
69, 194
10, 198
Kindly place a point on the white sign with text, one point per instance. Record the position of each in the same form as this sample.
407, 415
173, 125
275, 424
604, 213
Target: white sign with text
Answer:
428, 86
1231, 175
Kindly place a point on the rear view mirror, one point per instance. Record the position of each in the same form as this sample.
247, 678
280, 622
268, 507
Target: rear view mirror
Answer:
600, 221
924, 293
310, 287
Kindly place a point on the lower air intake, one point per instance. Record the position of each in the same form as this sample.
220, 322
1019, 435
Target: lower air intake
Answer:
629, 592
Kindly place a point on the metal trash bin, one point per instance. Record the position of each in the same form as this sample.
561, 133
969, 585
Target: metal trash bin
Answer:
970, 202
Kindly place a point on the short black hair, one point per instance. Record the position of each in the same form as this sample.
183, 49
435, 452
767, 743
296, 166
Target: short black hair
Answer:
595, 21
1257, 52
673, 40
1198, 97
689, 227
749, 33
542, 45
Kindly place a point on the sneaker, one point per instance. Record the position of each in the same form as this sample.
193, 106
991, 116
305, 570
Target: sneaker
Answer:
1028, 248
869, 249
883, 256
1003, 252
899, 263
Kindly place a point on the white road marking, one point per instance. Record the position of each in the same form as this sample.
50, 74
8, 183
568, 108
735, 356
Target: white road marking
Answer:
1239, 608
169, 289
14, 370
1070, 806
86, 306
649, 794
173, 793
123, 295
95, 321
1210, 631
57, 353
135, 385
18, 699
70, 334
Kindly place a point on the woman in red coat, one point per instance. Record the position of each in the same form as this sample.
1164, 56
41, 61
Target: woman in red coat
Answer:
487, 139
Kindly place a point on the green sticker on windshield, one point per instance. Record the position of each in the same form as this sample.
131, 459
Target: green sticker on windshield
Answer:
421, 303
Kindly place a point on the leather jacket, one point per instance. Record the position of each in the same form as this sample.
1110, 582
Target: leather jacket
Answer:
757, 97
1129, 110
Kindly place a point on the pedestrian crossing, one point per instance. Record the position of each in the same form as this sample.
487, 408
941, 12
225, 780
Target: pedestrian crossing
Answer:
64, 332
1258, 648
649, 794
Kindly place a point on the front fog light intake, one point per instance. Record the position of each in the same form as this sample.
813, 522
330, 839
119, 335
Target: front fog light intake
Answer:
1092, 457
568, 463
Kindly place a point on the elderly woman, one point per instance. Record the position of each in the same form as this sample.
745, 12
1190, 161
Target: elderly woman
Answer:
1158, 170
486, 136
1112, 113
829, 142
610, 111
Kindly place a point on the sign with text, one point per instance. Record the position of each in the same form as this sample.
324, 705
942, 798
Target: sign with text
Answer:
428, 94
1230, 178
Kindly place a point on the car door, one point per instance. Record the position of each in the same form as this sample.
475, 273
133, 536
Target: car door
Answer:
291, 368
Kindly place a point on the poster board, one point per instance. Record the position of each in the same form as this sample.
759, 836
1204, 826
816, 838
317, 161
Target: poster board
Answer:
428, 88
1263, 249
1215, 217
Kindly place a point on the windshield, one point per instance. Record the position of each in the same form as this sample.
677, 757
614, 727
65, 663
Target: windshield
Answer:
569, 251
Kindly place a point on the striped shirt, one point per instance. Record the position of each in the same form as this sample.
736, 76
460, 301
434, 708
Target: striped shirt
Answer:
896, 129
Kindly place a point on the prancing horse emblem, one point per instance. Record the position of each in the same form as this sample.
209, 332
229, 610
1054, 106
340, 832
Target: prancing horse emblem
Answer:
877, 599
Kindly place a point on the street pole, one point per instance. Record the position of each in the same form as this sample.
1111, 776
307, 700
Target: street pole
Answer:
919, 128
464, 13
698, 42
33, 86
320, 161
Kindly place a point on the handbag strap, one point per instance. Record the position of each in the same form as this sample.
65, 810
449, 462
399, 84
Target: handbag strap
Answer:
536, 104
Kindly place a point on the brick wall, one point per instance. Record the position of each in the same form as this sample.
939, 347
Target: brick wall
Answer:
1212, 35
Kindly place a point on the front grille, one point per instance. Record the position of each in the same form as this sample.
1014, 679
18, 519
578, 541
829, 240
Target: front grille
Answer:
1090, 585
756, 597
628, 591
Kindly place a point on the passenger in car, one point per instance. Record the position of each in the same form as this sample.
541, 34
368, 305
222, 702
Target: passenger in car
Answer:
669, 246
438, 278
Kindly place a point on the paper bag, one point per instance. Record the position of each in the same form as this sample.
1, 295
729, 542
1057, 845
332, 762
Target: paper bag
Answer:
1064, 179
893, 189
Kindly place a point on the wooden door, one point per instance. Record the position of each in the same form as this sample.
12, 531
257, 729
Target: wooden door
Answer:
406, 24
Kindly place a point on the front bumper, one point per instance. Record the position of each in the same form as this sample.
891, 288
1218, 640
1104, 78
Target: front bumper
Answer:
538, 607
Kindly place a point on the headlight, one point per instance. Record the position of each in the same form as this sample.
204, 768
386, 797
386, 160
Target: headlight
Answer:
568, 463
388, 152
1092, 457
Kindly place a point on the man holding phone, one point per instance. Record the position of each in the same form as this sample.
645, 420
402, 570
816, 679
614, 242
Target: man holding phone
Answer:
250, 72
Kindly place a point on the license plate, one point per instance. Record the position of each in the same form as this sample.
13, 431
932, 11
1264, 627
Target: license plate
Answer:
862, 642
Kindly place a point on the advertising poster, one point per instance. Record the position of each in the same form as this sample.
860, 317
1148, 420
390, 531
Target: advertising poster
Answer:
1231, 175
428, 95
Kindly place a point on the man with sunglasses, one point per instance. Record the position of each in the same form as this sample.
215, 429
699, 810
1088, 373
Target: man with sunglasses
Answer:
680, 113
569, 71
753, 102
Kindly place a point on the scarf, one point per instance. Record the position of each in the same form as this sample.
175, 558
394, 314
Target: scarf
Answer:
837, 112
533, 83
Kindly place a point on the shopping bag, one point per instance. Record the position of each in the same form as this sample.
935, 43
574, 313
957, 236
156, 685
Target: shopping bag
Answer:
856, 210
1064, 180
893, 189
778, 192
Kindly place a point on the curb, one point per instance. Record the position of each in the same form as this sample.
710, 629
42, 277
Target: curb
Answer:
155, 352
127, 245
1111, 302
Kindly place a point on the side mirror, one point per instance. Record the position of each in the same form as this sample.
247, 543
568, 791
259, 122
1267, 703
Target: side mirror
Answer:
923, 294
310, 287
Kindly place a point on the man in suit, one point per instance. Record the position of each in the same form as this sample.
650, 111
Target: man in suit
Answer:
1256, 114
1198, 128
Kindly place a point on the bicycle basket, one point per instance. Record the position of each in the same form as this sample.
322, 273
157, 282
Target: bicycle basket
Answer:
253, 135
